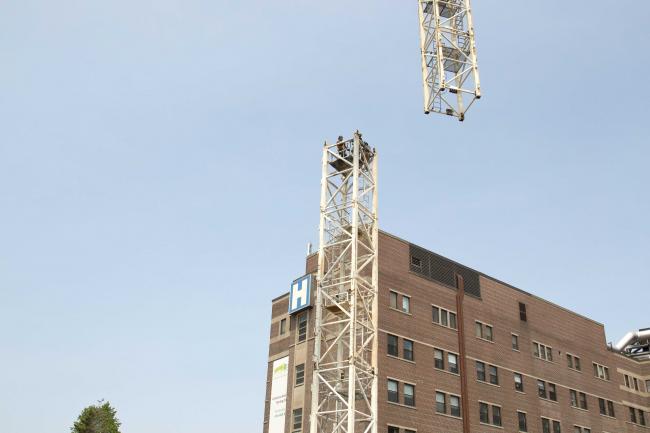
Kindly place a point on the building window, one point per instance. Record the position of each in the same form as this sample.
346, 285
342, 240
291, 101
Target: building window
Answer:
300, 374
556, 427
602, 407
283, 326
647, 385
480, 371
484, 331
393, 299
582, 400
488, 333
573, 362
522, 311
632, 415
579, 429
519, 382
297, 419
515, 342
543, 387
542, 351
601, 372
408, 349
441, 405
443, 317
496, 415
631, 382
521, 416
406, 304
547, 423
494, 375
483, 413
409, 394
610, 408
438, 359
606, 407
392, 345
302, 327
452, 320
392, 429
454, 405
452, 360
641, 417
416, 262
393, 393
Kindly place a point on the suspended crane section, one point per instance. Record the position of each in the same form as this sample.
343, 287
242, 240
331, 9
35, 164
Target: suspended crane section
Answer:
449, 67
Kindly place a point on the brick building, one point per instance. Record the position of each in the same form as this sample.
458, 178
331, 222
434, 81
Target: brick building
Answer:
528, 366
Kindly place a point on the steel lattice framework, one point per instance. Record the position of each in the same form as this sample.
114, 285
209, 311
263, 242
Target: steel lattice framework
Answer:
344, 386
449, 68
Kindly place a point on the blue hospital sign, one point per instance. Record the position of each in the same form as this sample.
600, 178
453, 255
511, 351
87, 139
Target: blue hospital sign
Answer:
300, 294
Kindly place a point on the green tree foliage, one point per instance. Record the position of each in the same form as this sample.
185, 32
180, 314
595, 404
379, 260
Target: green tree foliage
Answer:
99, 418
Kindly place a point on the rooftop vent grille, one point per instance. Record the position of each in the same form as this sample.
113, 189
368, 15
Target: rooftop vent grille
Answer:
442, 270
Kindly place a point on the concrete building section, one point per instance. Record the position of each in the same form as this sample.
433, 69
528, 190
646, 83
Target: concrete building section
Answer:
524, 357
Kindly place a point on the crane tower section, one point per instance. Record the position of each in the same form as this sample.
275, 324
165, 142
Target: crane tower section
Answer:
449, 67
344, 386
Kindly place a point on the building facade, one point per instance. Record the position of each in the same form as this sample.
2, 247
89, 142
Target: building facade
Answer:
460, 351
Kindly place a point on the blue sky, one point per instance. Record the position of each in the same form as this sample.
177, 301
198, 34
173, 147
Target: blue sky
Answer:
159, 172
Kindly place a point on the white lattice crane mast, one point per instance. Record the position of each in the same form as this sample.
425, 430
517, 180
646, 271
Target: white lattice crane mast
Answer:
344, 386
449, 67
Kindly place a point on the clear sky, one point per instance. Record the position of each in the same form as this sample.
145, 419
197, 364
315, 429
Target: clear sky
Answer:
159, 180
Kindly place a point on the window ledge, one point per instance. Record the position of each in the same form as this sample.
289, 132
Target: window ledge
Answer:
400, 311
637, 424
604, 380
492, 425
607, 416
446, 371
488, 383
579, 408
516, 350
549, 400
520, 392
575, 369
545, 360
449, 416
402, 405
486, 340
446, 327
400, 359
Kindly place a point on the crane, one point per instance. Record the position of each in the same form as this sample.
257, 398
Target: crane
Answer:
449, 68
344, 379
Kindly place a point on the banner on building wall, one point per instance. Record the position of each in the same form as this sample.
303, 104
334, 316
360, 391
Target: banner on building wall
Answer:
278, 405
